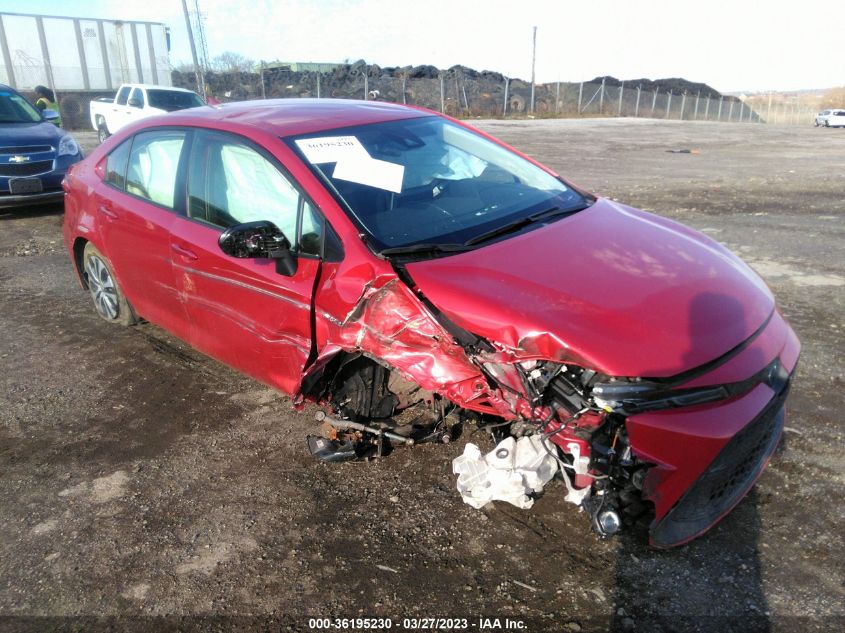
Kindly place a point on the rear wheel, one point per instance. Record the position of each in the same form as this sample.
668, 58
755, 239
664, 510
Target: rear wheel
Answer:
109, 300
102, 130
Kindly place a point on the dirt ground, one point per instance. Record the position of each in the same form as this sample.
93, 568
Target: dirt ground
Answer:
145, 486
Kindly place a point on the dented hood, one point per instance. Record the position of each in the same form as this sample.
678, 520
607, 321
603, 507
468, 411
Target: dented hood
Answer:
614, 288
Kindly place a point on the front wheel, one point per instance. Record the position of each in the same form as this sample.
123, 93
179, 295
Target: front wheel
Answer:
109, 300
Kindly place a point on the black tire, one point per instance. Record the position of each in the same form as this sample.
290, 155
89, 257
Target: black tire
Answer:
102, 131
109, 300
827, 123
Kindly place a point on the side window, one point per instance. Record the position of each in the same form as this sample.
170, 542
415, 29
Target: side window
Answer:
230, 183
122, 96
137, 98
116, 165
153, 164
310, 231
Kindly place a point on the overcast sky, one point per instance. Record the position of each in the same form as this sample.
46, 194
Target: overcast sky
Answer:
733, 45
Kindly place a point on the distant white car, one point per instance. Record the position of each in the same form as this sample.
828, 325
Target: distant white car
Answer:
138, 101
831, 118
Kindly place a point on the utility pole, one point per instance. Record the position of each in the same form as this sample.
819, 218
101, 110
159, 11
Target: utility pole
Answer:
533, 60
197, 69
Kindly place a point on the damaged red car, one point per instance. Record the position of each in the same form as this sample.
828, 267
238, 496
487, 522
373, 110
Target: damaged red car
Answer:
415, 275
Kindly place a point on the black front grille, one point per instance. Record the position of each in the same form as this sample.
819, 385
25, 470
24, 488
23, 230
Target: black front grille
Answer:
25, 169
28, 149
726, 480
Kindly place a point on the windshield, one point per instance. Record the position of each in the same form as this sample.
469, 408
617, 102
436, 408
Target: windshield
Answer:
429, 181
15, 109
171, 100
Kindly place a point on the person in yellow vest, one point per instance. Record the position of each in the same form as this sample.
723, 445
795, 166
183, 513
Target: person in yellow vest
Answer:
47, 101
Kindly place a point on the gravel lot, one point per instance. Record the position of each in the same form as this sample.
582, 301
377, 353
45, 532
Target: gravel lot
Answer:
141, 480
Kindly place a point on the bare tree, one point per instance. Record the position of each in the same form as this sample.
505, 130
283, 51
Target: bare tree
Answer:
230, 61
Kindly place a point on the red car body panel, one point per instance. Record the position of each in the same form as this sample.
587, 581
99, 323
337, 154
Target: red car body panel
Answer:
610, 288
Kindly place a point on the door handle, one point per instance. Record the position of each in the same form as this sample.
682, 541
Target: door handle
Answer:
106, 211
184, 253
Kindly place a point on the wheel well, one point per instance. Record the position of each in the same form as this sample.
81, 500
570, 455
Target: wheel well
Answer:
78, 252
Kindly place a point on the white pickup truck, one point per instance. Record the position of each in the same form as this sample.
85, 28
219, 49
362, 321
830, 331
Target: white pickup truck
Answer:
138, 101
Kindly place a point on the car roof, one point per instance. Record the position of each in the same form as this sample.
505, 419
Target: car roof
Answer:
286, 117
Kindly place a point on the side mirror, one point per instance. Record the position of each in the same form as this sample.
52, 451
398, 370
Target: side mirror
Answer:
50, 115
134, 103
259, 240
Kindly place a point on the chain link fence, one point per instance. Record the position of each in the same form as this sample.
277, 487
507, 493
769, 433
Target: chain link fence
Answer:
485, 95
489, 95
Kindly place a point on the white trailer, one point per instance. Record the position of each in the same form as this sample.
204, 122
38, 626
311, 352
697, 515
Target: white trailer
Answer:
74, 53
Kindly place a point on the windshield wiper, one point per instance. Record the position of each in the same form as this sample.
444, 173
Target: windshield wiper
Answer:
511, 227
415, 249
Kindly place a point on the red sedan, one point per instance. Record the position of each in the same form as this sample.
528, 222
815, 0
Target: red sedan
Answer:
415, 275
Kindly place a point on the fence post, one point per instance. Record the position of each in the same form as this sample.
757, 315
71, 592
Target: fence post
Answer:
731, 111
458, 108
404, 93
668, 105
366, 85
707, 109
505, 107
318, 84
653, 103
769, 110
557, 97
621, 92
683, 105
580, 95
695, 113
442, 96
601, 98
637, 108
719, 116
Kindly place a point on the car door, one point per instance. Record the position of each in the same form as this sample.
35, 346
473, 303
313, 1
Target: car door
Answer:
118, 114
134, 106
242, 311
135, 207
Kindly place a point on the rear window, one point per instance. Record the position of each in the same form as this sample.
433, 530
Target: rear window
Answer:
153, 163
839, 113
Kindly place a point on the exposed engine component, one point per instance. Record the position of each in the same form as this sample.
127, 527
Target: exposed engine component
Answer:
376, 409
515, 471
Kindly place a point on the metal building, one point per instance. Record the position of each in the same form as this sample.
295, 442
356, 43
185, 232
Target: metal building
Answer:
74, 53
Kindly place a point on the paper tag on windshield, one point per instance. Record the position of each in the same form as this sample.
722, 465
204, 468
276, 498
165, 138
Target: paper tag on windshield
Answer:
372, 172
332, 149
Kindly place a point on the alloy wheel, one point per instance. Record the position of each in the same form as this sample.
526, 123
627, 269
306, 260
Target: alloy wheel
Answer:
102, 287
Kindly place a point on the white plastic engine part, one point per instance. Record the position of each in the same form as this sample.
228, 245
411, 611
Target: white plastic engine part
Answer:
510, 472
